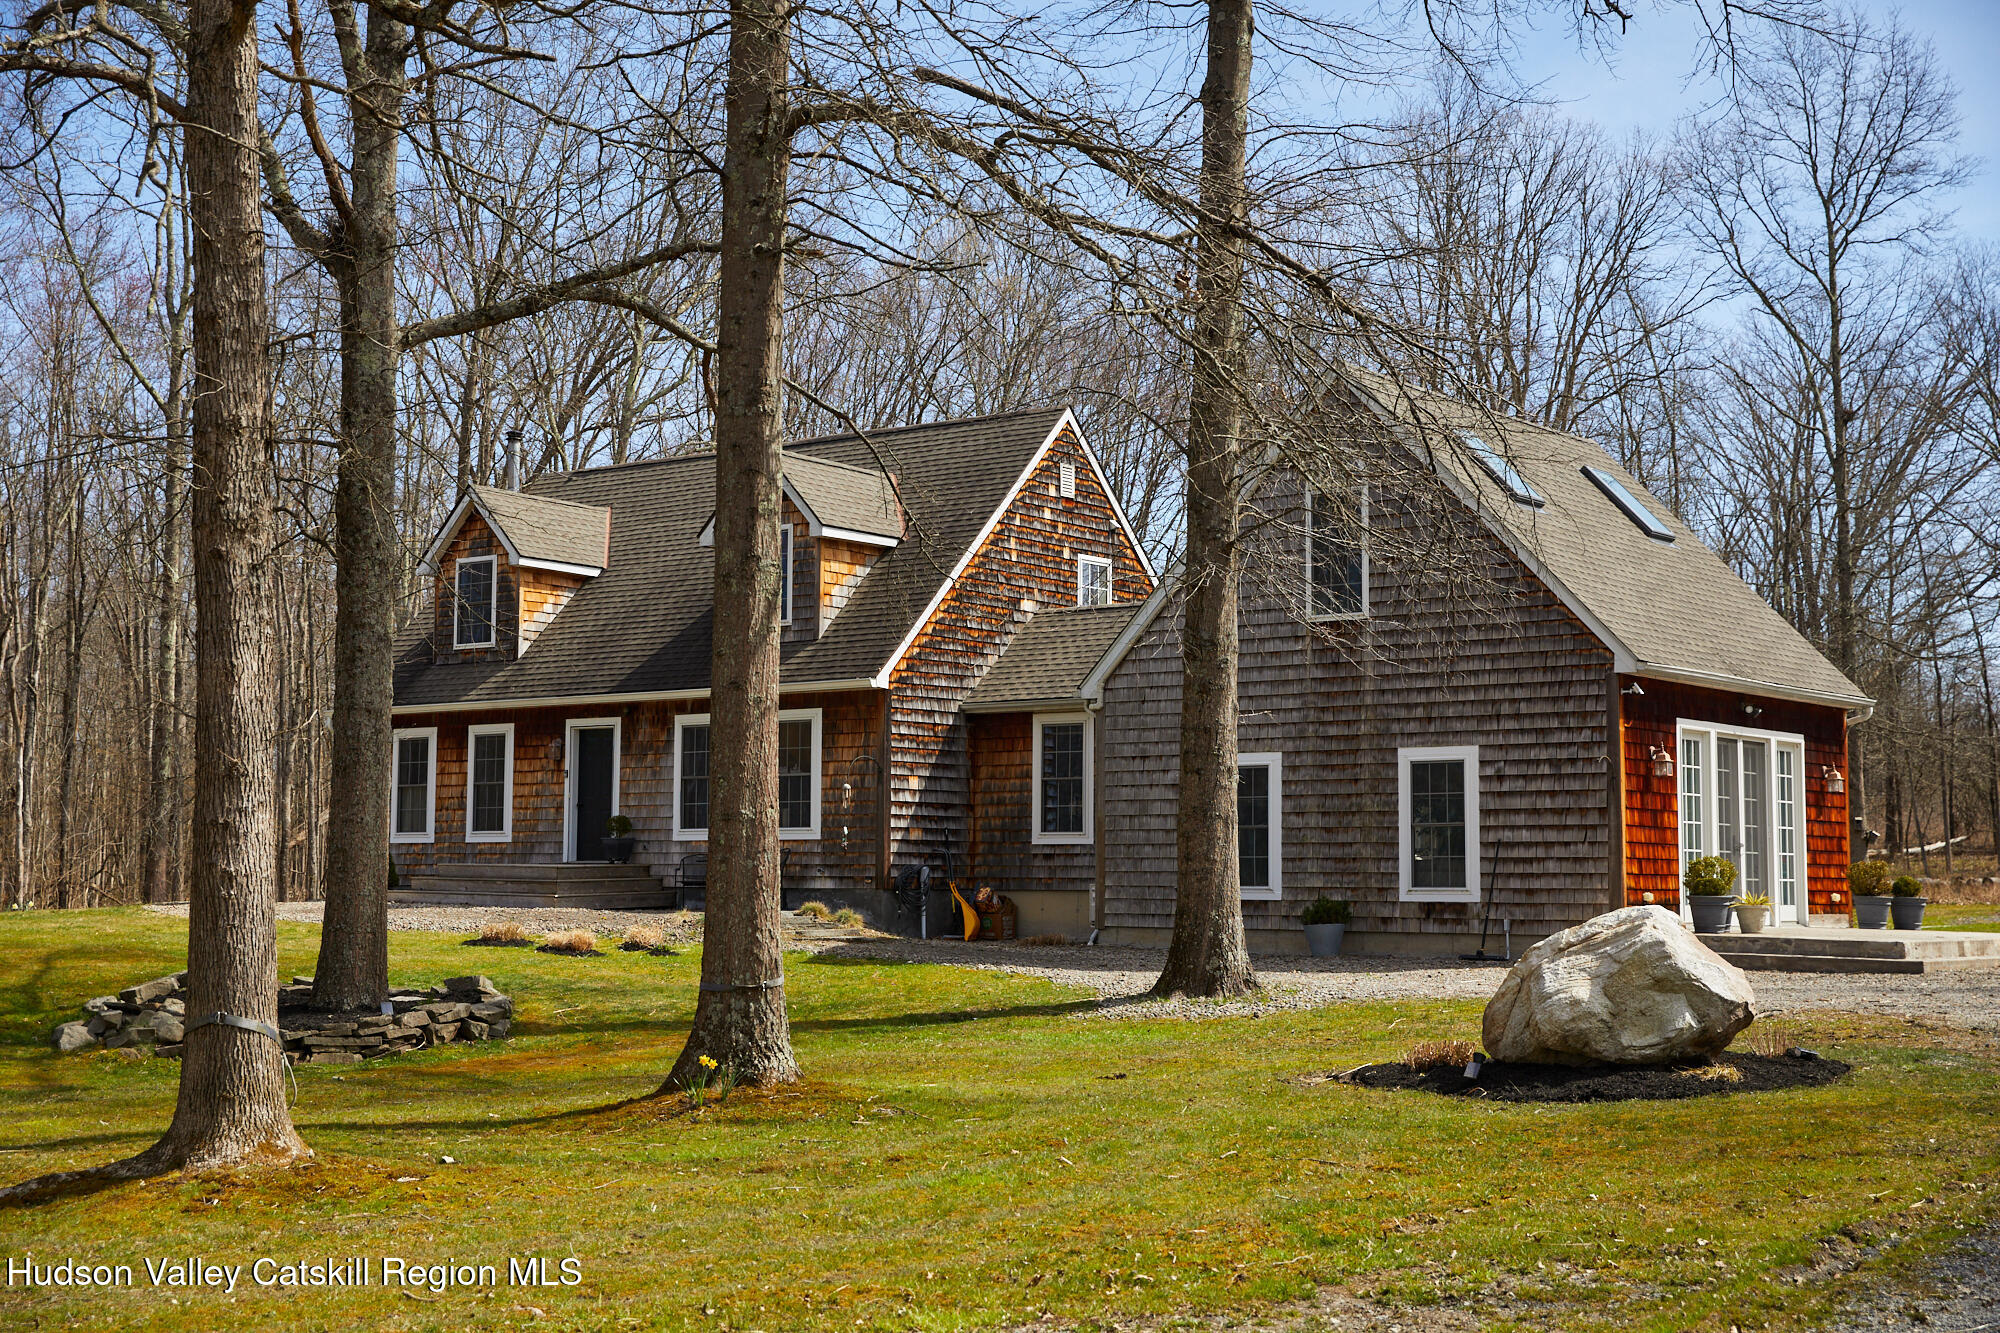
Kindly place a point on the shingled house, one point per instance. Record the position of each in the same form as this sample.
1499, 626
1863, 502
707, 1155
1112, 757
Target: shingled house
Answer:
559, 673
1614, 703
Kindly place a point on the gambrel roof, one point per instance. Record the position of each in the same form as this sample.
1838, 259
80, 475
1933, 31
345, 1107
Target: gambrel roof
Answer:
641, 628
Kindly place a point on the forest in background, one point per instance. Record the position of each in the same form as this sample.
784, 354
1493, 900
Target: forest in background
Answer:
1767, 316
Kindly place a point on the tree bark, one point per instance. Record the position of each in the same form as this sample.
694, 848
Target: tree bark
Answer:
1207, 955
353, 967
159, 833
739, 1019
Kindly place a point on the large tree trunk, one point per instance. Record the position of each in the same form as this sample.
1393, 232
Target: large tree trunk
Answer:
739, 1020
1207, 955
353, 968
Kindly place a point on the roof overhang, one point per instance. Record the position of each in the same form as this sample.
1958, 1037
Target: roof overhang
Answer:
814, 526
1763, 689
631, 697
469, 502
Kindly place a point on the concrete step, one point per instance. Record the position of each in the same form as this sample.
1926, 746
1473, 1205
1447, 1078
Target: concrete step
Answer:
1856, 951
545, 872
574, 884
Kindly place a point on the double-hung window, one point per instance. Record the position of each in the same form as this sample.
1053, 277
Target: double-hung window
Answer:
475, 606
798, 774
1336, 559
413, 784
1093, 581
1260, 780
1438, 823
489, 783
1062, 778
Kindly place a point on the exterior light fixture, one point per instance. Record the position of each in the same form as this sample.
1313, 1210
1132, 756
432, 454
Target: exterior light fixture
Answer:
1635, 689
1663, 762
1751, 710
1835, 783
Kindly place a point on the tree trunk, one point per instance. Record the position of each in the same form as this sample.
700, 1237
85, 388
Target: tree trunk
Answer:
353, 968
1207, 955
739, 1019
158, 834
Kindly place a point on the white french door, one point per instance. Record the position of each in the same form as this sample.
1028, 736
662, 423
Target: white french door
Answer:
1742, 797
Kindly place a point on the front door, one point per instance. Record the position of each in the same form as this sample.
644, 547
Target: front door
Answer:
1742, 798
593, 761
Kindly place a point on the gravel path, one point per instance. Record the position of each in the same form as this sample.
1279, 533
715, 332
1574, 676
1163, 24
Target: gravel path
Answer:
1957, 1292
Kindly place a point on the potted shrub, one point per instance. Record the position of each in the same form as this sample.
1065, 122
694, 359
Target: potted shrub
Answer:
1868, 881
1325, 922
618, 841
1906, 902
1753, 913
1710, 883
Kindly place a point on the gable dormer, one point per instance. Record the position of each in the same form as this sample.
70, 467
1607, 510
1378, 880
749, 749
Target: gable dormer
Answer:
504, 565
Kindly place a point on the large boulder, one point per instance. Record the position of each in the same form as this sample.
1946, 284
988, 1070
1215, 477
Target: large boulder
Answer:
1631, 987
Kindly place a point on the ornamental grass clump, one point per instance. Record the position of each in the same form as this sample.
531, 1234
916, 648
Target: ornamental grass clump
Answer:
576, 943
502, 932
647, 938
1440, 1054
847, 916
816, 909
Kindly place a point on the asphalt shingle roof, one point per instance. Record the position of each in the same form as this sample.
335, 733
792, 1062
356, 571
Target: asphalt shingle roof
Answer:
840, 495
643, 625
1050, 656
543, 527
1674, 606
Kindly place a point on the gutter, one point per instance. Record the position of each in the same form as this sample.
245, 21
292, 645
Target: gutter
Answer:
633, 697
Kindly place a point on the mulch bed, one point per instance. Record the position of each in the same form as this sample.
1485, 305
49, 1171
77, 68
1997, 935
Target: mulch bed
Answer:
1502, 1082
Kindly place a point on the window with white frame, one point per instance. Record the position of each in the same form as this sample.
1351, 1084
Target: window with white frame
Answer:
1438, 823
785, 572
1062, 778
1093, 581
1742, 798
476, 588
489, 782
1260, 804
413, 784
798, 774
1336, 559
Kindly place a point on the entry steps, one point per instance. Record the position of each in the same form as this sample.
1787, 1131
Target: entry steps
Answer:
593, 884
1833, 949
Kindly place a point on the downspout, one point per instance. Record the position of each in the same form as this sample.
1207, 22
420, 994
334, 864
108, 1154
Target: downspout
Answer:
1095, 708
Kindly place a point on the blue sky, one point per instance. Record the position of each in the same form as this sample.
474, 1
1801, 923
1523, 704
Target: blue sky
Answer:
1646, 86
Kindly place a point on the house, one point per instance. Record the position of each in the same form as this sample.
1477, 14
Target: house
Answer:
1612, 702
559, 673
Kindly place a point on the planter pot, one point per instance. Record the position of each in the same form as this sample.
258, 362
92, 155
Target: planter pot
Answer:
618, 851
1710, 911
1752, 919
1324, 941
1871, 911
1908, 912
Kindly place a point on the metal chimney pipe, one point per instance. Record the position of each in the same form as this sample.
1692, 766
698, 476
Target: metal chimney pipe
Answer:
513, 481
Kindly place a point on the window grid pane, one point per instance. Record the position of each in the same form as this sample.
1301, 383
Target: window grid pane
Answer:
1691, 810
475, 602
1788, 869
413, 777
694, 777
1253, 826
795, 774
1062, 777
489, 783
1093, 583
1437, 824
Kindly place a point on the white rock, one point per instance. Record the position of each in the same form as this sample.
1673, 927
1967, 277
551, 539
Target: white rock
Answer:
1633, 986
72, 1037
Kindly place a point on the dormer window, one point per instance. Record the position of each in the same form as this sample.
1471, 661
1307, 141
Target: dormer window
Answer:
476, 614
1502, 470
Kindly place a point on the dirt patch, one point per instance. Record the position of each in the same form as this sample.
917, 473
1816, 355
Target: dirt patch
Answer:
1502, 1082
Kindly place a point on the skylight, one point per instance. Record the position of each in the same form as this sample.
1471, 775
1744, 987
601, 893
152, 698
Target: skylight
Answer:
1502, 471
1615, 491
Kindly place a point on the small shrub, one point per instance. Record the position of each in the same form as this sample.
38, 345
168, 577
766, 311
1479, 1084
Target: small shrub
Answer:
1769, 1038
644, 937
1325, 911
1868, 878
571, 942
618, 826
1046, 940
1907, 886
502, 932
816, 909
1710, 876
847, 916
1438, 1054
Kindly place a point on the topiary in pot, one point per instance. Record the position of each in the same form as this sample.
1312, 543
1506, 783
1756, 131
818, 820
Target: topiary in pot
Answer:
1710, 882
1869, 882
1325, 920
1906, 902
618, 841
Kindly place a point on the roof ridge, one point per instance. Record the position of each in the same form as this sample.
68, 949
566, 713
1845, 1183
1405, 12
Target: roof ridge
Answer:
927, 425
534, 495
856, 468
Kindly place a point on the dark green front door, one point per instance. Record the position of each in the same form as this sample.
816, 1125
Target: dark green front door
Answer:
591, 785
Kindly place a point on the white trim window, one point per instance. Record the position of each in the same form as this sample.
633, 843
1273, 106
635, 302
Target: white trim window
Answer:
475, 585
785, 574
1260, 811
1336, 561
1093, 581
1062, 764
489, 782
1437, 823
413, 784
799, 774
1742, 797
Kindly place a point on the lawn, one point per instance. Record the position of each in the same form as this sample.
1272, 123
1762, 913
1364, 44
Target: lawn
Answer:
966, 1153
1956, 916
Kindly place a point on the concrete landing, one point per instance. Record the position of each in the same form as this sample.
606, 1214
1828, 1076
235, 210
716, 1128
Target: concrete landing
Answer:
592, 884
1825, 949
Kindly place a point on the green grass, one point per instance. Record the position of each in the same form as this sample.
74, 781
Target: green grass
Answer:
1949, 916
965, 1154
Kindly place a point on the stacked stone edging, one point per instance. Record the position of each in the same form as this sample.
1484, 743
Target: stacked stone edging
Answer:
151, 1018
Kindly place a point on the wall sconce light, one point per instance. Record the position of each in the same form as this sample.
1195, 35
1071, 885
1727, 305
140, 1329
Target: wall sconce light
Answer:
1835, 783
846, 796
1635, 689
1646, 897
1663, 762
556, 752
